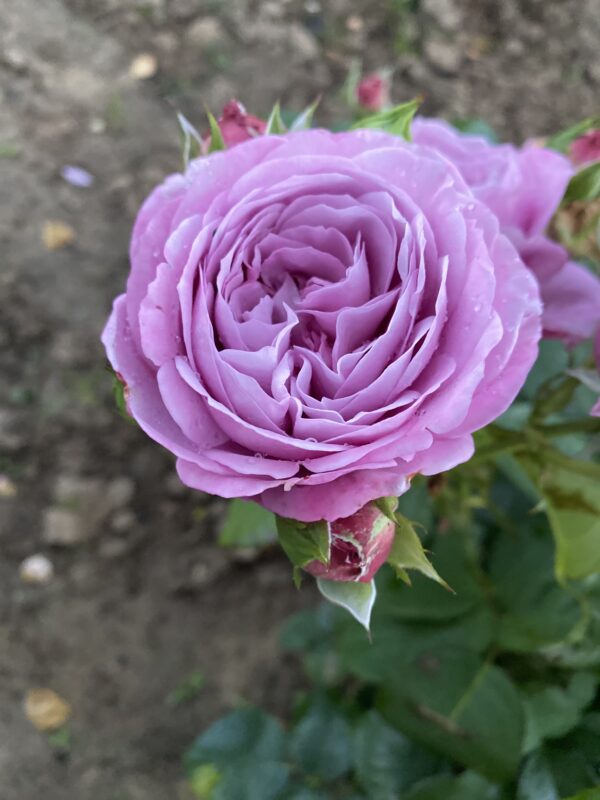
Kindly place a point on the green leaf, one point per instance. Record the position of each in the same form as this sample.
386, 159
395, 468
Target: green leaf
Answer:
192, 141
302, 793
394, 641
243, 733
551, 712
428, 600
417, 504
251, 778
476, 127
536, 781
452, 702
584, 185
535, 611
552, 361
304, 542
356, 597
513, 472
566, 767
275, 124
587, 794
395, 121
321, 743
312, 633
583, 651
573, 760
582, 654
308, 629
571, 490
562, 140
247, 525
216, 137
187, 689
203, 781
385, 762
467, 786
407, 551
305, 118
553, 397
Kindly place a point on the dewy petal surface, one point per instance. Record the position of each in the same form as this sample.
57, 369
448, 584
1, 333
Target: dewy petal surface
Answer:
311, 319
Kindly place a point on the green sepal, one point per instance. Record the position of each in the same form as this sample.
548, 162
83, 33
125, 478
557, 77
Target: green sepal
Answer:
350, 86
396, 121
304, 542
408, 553
119, 389
305, 118
297, 576
585, 185
387, 506
216, 137
562, 140
403, 576
275, 124
356, 597
192, 141
247, 525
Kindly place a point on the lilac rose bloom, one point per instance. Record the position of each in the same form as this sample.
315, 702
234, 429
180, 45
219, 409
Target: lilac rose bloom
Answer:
524, 187
310, 319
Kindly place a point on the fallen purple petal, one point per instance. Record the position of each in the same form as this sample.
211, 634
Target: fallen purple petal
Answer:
77, 176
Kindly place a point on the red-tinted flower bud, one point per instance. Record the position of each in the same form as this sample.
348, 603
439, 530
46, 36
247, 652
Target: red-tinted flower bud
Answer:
586, 148
359, 545
372, 92
238, 126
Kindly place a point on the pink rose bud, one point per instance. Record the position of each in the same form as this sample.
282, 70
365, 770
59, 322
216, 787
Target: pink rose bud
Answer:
586, 148
360, 544
238, 126
372, 92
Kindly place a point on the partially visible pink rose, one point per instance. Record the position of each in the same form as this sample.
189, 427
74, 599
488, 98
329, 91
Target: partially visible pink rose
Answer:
360, 544
238, 126
373, 92
524, 187
571, 301
586, 148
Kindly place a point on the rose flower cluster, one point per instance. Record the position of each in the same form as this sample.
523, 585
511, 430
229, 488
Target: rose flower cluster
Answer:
313, 318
